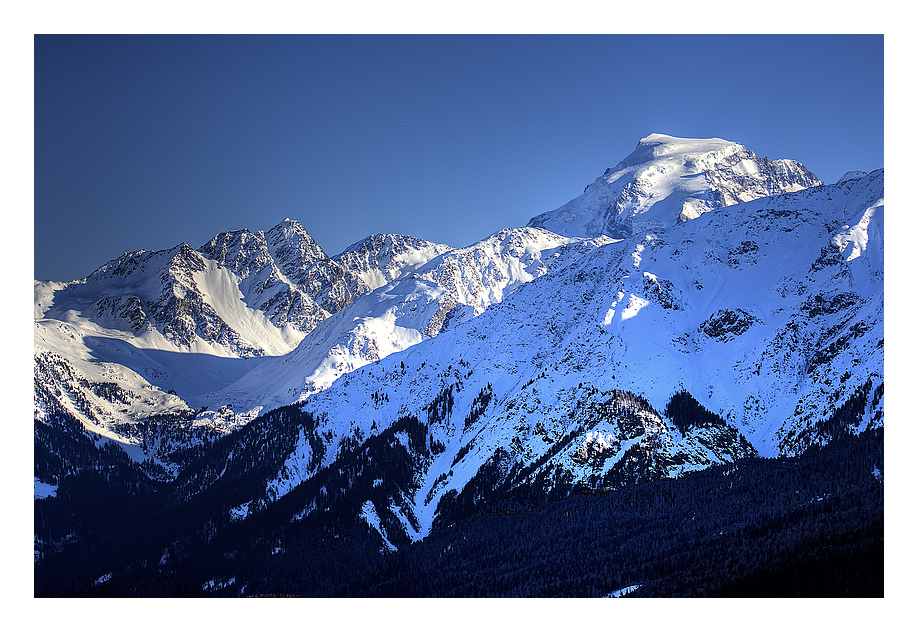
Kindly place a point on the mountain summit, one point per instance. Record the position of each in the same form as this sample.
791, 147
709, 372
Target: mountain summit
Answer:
667, 180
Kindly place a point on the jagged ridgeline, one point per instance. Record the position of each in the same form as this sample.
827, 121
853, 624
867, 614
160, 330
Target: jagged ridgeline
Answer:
684, 364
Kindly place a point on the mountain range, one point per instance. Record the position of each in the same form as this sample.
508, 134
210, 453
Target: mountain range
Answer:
696, 307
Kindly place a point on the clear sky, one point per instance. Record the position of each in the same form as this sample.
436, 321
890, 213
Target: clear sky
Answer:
144, 142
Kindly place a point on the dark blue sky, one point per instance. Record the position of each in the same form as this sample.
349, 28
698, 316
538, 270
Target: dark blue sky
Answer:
148, 141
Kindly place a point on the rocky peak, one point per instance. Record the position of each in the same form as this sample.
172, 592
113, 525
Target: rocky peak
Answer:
241, 251
302, 260
379, 259
294, 250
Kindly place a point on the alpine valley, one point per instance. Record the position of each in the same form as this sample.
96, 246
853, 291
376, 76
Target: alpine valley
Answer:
670, 386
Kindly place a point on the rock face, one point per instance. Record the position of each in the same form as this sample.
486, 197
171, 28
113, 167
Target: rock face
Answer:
301, 260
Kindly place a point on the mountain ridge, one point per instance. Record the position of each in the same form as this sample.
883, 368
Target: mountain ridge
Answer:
714, 329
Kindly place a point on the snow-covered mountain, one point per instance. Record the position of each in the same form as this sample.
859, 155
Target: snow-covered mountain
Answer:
765, 318
284, 274
696, 305
666, 180
425, 301
213, 334
153, 333
380, 259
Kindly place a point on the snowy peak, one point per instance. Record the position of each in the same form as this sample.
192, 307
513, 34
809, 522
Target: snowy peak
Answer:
485, 272
851, 175
656, 146
294, 250
667, 180
293, 231
239, 251
381, 258
264, 287
285, 273
302, 260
